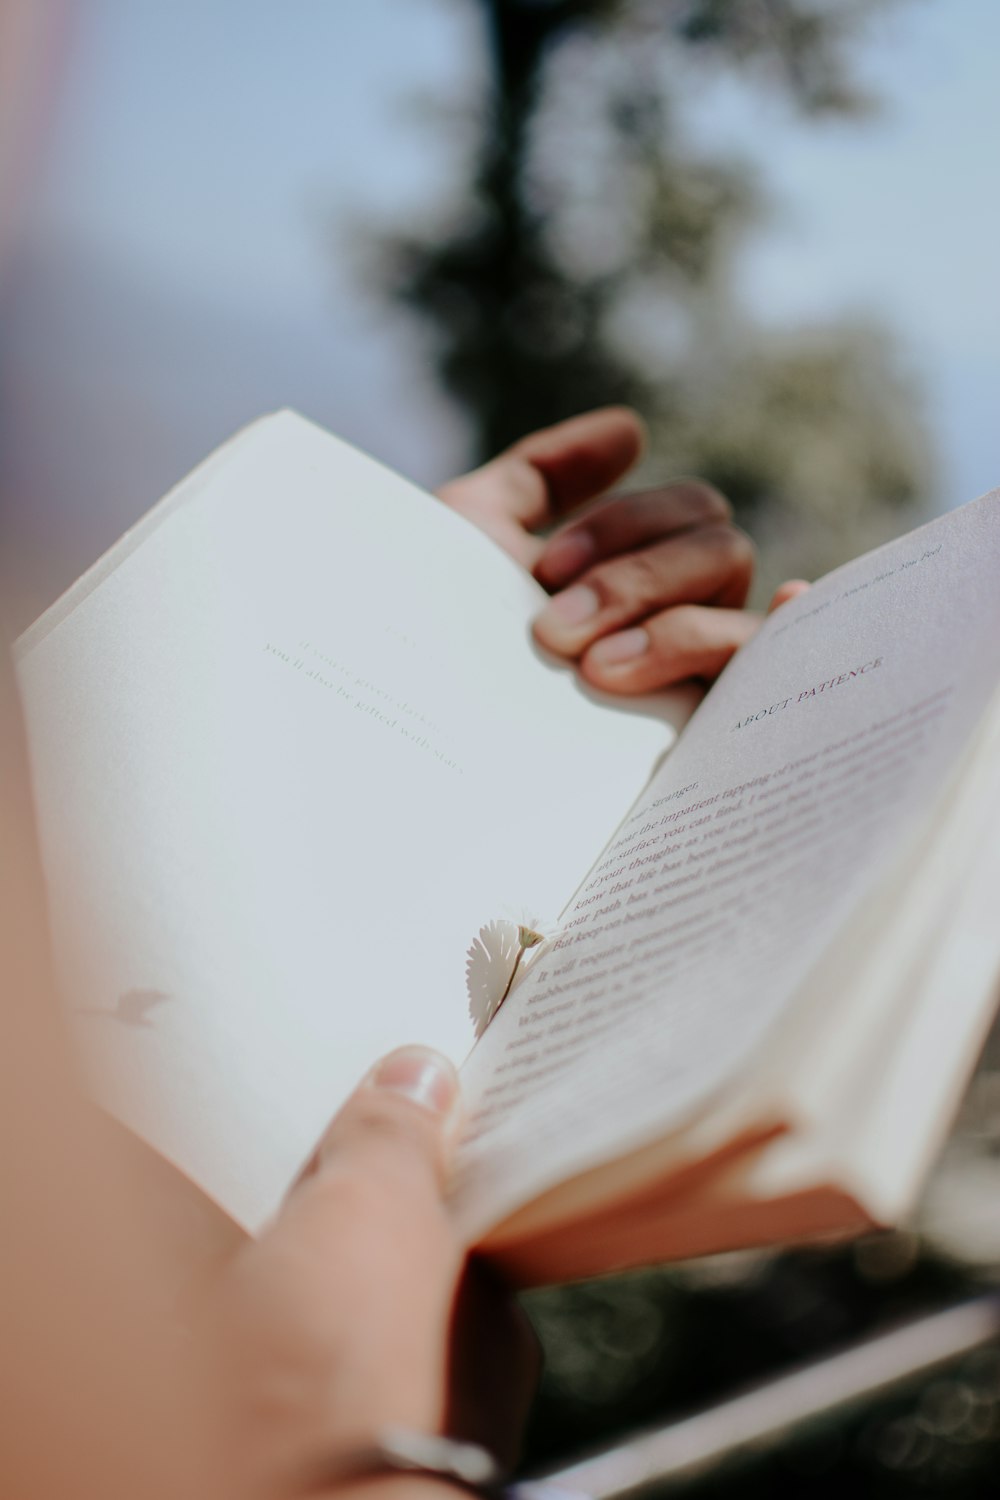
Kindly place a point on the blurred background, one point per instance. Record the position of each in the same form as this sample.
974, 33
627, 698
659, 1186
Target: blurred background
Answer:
435, 224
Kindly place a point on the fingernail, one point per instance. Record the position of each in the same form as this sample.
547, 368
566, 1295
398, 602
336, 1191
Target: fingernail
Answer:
616, 650
420, 1075
566, 556
570, 608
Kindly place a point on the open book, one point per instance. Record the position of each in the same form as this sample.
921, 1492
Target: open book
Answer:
293, 748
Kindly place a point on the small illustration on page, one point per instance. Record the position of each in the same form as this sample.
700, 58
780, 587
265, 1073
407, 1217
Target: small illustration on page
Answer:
132, 1009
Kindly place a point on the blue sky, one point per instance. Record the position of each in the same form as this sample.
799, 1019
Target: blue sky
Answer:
196, 258
216, 143
899, 217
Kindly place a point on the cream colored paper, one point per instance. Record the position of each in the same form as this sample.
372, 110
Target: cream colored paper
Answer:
292, 747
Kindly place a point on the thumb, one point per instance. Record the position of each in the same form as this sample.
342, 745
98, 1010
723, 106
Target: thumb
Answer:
400, 1120
344, 1302
376, 1180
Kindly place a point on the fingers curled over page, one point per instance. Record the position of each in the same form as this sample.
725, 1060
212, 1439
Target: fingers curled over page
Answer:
544, 475
638, 559
582, 457
626, 561
689, 640
627, 523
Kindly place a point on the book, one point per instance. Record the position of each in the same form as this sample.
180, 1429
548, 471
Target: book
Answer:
295, 757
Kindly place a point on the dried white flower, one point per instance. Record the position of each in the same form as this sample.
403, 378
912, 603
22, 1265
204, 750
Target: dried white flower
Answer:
492, 962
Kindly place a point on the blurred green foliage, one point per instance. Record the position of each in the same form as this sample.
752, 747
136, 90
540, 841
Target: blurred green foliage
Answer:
637, 1351
592, 259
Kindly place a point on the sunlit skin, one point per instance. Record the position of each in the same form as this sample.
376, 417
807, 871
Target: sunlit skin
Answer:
355, 1308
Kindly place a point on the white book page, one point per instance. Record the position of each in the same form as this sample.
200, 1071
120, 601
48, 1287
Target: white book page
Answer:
822, 748
884, 1104
290, 752
827, 1064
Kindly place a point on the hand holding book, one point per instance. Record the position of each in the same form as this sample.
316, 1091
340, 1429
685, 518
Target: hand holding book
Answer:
358, 1298
355, 1302
648, 588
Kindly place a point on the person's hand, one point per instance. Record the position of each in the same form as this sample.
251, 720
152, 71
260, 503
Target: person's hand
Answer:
648, 587
355, 1310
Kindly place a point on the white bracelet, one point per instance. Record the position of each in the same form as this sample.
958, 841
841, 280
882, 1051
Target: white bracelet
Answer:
396, 1450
